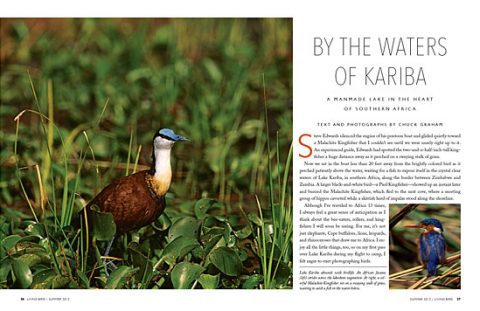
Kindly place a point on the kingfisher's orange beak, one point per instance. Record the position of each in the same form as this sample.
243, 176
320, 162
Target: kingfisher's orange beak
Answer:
414, 226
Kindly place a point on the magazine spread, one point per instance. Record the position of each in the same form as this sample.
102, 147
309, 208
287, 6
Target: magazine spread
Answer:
281, 154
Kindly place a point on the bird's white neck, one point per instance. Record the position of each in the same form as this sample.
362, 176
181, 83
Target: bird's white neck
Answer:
162, 163
163, 170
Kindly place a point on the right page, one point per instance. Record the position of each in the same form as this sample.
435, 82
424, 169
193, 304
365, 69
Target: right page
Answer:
383, 159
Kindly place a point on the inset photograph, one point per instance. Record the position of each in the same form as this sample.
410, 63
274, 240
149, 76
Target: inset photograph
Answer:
425, 246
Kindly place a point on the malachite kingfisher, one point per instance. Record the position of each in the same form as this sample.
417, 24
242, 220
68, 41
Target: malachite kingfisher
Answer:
431, 244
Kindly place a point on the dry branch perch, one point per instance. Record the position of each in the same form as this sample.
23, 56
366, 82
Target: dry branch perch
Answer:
425, 281
419, 268
401, 214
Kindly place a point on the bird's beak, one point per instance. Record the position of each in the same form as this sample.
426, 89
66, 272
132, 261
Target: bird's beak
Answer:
413, 226
181, 138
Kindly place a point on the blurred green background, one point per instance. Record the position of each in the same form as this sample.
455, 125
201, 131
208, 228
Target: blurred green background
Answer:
122, 78
80, 102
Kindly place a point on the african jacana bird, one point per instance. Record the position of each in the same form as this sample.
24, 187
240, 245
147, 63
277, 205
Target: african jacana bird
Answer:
431, 244
139, 199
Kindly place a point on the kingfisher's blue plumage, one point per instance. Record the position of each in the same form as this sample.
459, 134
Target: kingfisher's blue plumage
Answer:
431, 244
432, 221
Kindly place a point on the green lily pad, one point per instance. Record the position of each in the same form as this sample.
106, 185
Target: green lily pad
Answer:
178, 248
50, 280
42, 278
120, 277
162, 223
30, 238
104, 227
22, 273
60, 282
255, 219
211, 238
44, 243
22, 248
252, 281
185, 273
5, 268
211, 221
209, 281
10, 241
212, 232
226, 260
243, 233
202, 206
230, 240
184, 227
32, 259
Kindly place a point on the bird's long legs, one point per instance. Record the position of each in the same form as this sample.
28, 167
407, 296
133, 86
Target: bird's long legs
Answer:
107, 252
109, 247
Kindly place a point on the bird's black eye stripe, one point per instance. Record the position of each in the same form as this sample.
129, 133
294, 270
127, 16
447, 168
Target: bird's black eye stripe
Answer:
165, 137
